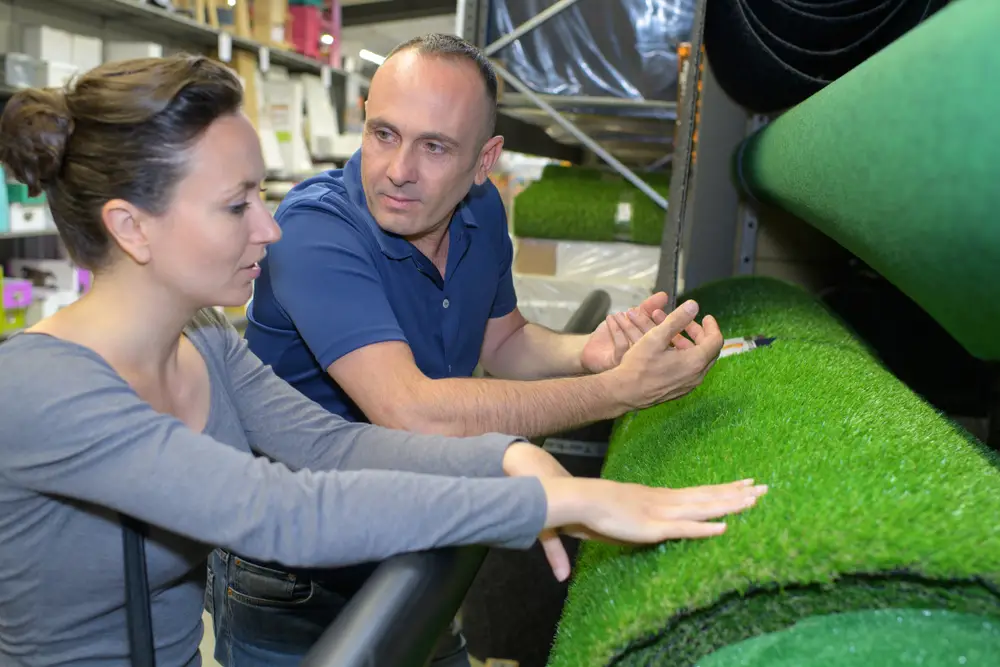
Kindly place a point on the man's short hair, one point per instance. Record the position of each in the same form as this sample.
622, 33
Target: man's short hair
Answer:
452, 46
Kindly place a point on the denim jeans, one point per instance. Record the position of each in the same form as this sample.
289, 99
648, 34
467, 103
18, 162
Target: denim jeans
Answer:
265, 617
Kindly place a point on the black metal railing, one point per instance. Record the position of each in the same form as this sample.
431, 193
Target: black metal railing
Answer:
408, 602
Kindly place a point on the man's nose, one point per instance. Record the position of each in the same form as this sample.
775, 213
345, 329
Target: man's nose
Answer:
401, 167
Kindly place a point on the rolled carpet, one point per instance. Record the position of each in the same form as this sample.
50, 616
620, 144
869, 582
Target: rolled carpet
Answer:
589, 209
876, 502
897, 162
769, 55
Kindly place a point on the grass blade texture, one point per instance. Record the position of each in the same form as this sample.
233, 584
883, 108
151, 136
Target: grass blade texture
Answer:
876, 502
897, 162
580, 204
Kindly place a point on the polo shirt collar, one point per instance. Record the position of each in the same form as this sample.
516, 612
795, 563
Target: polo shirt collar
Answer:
392, 245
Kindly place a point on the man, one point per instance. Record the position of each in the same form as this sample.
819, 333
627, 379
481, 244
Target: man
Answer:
392, 281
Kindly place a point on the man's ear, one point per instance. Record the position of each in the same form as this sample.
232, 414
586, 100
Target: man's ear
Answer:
488, 157
124, 223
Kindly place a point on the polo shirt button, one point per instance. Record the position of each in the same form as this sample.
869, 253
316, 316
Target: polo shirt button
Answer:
446, 303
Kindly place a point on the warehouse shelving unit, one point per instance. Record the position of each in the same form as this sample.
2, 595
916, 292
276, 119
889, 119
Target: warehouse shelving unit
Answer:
627, 134
133, 15
140, 21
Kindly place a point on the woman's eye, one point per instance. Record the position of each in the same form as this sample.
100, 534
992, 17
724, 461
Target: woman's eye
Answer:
239, 209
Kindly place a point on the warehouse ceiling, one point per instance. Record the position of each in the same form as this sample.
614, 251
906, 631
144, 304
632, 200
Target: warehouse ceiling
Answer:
380, 38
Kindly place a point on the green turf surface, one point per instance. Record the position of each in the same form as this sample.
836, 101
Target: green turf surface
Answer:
876, 500
583, 209
882, 638
658, 179
897, 161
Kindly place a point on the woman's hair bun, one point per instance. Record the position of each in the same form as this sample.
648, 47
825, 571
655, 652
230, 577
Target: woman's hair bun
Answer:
34, 130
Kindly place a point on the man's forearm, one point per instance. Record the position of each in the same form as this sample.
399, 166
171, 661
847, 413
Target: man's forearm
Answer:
470, 406
534, 352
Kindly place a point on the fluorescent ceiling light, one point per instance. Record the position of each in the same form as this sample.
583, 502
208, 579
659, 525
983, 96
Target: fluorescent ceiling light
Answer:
365, 54
326, 39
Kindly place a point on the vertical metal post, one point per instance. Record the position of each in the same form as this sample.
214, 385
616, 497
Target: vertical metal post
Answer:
749, 224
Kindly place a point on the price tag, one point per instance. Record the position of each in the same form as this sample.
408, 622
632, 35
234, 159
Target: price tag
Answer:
624, 213
325, 76
225, 47
264, 56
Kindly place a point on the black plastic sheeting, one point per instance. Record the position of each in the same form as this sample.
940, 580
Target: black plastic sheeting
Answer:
605, 48
769, 55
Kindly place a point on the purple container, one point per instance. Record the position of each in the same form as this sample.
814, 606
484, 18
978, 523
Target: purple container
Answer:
16, 293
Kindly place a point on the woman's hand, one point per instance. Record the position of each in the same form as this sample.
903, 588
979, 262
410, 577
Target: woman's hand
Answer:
619, 513
524, 459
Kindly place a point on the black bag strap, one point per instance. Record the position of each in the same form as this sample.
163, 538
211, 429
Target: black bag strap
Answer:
137, 600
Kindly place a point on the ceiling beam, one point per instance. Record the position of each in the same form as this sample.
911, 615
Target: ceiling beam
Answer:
395, 10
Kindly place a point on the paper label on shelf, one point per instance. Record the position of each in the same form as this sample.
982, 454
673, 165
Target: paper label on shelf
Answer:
225, 47
264, 56
624, 213
324, 75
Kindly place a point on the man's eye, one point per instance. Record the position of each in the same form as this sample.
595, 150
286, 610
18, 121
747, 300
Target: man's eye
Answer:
239, 209
383, 135
435, 148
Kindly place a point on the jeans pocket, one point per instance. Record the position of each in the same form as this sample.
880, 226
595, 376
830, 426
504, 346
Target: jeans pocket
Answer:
260, 586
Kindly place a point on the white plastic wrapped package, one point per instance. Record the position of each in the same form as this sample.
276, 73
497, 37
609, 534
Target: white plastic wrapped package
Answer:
605, 48
589, 261
551, 301
608, 262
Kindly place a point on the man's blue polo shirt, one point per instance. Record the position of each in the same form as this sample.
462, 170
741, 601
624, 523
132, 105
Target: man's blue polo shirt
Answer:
336, 282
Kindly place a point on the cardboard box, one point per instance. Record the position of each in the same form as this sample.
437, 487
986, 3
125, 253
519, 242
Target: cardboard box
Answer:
88, 52
536, 256
46, 43
115, 51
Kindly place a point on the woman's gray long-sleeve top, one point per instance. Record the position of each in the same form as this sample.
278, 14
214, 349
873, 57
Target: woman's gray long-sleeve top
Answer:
78, 446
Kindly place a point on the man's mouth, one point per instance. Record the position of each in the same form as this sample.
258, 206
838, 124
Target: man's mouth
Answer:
396, 199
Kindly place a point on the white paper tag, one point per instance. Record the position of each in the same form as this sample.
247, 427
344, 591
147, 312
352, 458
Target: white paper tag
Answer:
264, 56
225, 47
325, 76
624, 212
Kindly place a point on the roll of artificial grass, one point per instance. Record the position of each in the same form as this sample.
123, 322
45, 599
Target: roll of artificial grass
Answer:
658, 179
897, 161
876, 501
769, 55
587, 209
897, 637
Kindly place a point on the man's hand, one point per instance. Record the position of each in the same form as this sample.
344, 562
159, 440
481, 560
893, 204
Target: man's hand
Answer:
663, 365
619, 331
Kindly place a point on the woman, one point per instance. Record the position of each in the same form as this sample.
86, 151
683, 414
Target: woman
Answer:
139, 400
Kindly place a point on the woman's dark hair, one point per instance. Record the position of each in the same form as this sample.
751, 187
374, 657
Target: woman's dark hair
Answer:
120, 131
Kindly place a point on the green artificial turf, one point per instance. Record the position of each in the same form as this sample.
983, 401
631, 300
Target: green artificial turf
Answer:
897, 161
882, 638
583, 209
876, 500
658, 179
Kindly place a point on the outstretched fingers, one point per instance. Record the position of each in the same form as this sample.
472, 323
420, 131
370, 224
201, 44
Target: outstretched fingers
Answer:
704, 510
696, 494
